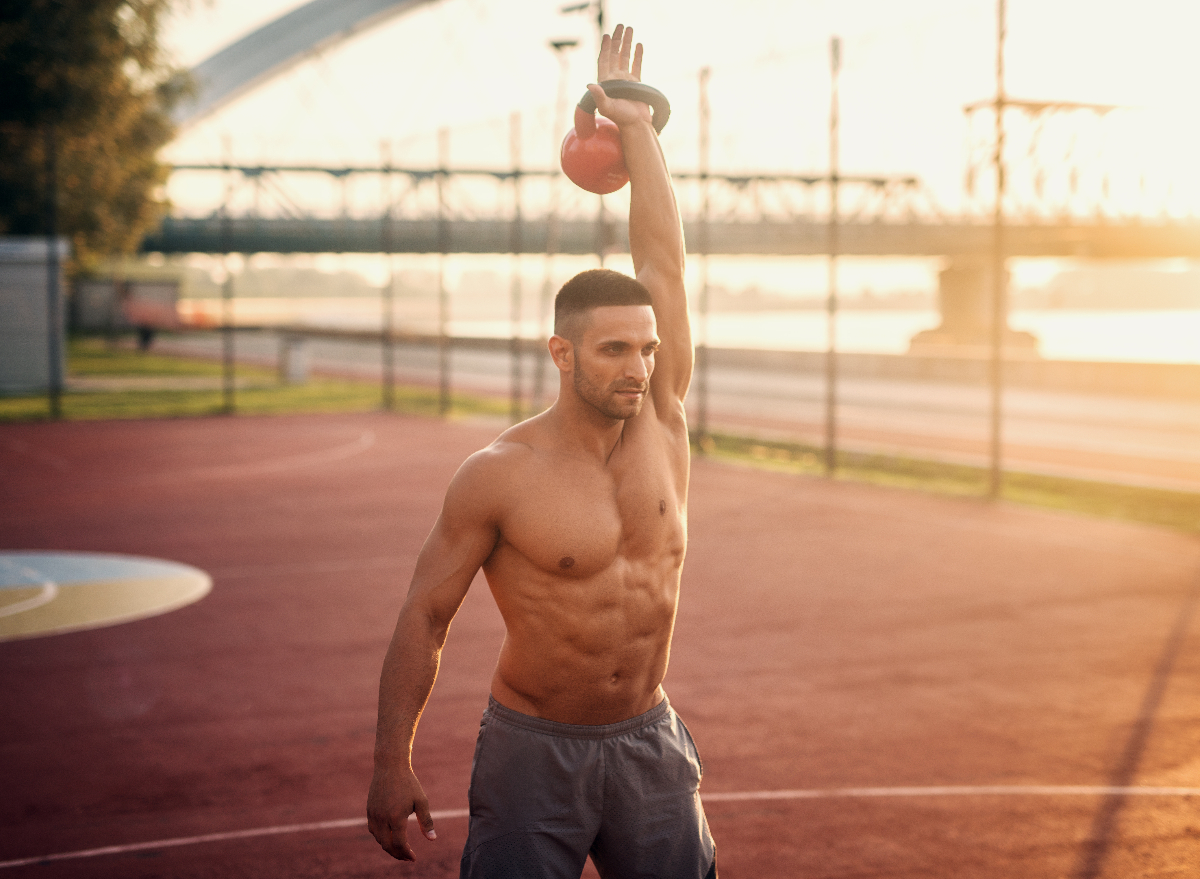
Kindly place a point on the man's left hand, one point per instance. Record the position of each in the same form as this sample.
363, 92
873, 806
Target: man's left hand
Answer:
619, 59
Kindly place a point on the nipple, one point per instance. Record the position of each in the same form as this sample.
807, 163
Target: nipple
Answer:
566, 562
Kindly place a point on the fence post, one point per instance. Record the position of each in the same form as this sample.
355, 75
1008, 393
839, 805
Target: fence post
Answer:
831, 376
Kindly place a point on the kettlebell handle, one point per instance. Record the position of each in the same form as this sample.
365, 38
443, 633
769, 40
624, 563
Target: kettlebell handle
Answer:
585, 113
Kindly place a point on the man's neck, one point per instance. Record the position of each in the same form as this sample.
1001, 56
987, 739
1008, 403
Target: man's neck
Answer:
580, 427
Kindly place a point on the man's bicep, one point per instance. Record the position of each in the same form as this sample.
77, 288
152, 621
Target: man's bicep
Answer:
461, 541
674, 360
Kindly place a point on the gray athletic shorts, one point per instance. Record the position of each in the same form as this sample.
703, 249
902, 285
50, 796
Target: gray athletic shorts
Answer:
545, 795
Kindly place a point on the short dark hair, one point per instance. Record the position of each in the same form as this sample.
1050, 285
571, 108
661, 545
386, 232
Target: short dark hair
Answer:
593, 289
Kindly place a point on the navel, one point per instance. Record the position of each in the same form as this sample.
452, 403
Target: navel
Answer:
662, 508
566, 562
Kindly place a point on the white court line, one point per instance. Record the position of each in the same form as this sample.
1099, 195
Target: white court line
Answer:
211, 837
278, 465
985, 790
1039, 790
48, 593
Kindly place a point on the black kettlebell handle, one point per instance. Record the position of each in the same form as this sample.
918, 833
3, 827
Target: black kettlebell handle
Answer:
634, 91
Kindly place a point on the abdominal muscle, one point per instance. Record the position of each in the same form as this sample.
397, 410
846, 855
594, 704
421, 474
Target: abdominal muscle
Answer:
583, 651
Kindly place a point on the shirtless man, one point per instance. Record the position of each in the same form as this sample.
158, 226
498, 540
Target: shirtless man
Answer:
578, 518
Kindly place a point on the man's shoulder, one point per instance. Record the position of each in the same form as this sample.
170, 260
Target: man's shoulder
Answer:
500, 459
482, 488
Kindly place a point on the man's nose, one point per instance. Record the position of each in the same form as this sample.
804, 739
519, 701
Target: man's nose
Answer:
638, 368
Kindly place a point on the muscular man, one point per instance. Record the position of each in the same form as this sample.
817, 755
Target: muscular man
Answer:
578, 518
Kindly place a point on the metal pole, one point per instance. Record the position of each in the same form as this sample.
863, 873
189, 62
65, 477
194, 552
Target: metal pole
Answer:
443, 295
552, 220
227, 353
602, 227
601, 230
704, 246
53, 293
999, 304
389, 289
835, 57
514, 144
228, 404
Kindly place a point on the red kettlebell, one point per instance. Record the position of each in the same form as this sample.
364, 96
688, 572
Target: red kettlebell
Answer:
591, 152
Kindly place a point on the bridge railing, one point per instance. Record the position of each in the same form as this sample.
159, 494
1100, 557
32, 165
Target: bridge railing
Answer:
363, 192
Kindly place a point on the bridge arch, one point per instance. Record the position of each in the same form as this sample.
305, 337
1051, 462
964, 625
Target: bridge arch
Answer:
279, 45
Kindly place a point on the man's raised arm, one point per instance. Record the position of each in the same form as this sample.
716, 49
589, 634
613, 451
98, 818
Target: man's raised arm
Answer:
655, 232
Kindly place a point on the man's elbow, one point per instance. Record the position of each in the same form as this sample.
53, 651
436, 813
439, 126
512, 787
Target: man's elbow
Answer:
422, 620
663, 277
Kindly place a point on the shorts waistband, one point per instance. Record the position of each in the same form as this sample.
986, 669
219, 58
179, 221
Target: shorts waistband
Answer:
577, 730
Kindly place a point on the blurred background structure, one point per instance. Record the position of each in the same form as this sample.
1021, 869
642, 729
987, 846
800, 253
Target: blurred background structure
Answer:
371, 187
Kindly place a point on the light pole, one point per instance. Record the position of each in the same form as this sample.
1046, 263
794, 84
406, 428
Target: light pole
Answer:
602, 236
389, 290
999, 287
598, 5
560, 48
705, 246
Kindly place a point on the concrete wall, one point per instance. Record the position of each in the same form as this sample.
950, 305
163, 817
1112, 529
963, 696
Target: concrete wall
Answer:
24, 316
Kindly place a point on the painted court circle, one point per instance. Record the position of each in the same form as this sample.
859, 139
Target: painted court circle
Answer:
46, 593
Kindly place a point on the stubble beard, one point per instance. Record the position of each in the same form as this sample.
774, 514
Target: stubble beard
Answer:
605, 401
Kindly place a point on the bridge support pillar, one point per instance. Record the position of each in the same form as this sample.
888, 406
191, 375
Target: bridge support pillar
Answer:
965, 301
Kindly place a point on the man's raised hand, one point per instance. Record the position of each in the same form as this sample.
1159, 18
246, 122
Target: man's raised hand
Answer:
616, 54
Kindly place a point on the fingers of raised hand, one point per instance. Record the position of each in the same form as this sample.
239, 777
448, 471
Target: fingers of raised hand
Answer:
615, 54
623, 36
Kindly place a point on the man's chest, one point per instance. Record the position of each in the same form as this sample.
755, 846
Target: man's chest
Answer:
579, 520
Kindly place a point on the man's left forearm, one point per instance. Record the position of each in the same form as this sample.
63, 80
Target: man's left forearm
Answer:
655, 231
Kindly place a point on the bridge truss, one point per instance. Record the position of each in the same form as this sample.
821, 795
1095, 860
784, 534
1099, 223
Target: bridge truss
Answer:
374, 209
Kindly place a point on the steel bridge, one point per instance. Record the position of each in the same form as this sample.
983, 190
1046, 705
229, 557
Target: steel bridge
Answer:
1063, 200
285, 209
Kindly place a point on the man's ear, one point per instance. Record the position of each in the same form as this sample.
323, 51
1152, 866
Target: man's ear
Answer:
563, 353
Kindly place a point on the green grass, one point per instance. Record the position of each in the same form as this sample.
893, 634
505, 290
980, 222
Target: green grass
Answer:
1179, 510
96, 357
261, 393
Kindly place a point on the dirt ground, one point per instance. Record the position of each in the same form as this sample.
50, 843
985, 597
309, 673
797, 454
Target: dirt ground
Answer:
881, 683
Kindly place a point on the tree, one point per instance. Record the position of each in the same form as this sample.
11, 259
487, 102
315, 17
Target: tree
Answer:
87, 80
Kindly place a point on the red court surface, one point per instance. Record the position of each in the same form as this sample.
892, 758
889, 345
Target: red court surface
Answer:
882, 683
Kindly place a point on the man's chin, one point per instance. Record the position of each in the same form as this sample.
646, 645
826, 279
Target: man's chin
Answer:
629, 408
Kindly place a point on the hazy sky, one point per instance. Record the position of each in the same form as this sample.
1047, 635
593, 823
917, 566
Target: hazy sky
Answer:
909, 66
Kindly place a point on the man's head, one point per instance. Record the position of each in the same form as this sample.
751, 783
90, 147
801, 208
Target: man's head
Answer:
605, 340
589, 290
